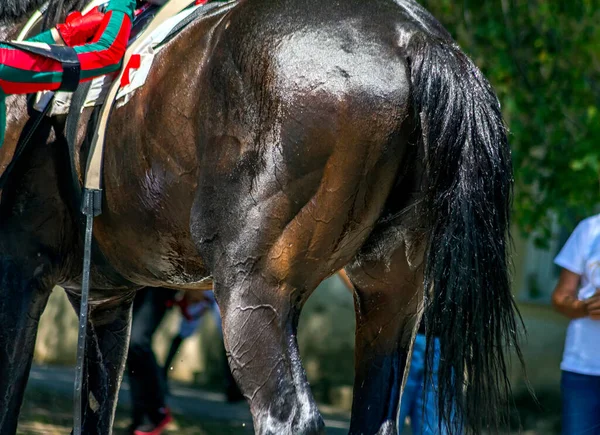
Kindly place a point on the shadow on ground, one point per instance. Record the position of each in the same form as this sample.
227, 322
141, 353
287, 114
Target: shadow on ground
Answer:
47, 409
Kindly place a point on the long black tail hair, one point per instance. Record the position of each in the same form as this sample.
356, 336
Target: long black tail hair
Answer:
469, 306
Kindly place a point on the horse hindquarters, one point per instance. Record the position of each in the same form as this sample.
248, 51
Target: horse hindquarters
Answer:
270, 233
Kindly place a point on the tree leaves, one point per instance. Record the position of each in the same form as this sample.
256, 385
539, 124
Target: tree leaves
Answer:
543, 59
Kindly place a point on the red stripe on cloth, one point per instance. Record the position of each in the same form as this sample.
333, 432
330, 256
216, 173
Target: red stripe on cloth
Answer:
31, 62
103, 26
135, 61
110, 56
26, 88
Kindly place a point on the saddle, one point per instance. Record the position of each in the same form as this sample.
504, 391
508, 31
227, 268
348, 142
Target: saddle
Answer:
93, 174
152, 28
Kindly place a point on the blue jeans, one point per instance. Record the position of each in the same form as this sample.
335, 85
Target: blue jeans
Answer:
419, 401
580, 404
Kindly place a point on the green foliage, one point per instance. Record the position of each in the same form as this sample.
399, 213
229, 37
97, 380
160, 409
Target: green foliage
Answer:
543, 59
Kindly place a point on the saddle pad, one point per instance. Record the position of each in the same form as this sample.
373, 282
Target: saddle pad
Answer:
137, 69
139, 65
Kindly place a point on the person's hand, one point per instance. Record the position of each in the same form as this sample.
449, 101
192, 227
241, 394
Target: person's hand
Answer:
592, 306
79, 29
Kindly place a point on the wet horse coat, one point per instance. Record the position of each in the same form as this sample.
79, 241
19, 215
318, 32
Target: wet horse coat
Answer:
276, 142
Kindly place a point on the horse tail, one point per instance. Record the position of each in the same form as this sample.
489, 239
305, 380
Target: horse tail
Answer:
468, 186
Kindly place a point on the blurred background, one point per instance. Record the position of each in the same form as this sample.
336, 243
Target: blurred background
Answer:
543, 59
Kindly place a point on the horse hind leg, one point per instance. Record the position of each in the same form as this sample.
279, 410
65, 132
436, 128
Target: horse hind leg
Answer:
260, 318
268, 249
388, 301
105, 355
260, 322
22, 301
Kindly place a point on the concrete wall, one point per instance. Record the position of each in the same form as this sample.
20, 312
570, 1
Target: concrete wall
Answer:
542, 349
534, 279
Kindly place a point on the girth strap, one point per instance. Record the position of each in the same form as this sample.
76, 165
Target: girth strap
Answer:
65, 55
93, 173
92, 204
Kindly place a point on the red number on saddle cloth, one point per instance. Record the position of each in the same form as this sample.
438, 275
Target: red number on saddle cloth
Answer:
135, 61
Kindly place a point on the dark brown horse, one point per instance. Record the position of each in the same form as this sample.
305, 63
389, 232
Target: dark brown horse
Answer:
276, 142
40, 244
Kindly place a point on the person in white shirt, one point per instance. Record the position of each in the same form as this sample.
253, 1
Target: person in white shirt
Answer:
577, 296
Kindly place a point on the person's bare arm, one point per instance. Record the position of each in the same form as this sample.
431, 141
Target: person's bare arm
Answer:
564, 297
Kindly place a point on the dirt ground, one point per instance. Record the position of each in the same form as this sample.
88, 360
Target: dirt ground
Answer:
47, 410
50, 413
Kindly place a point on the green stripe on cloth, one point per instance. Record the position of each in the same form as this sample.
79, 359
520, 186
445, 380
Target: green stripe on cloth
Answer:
108, 36
17, 75
125, 6
85, 75
44, 37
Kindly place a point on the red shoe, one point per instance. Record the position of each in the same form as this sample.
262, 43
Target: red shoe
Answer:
155, 429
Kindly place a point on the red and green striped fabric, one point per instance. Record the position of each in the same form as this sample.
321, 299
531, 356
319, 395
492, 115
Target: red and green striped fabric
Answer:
22, 72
